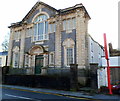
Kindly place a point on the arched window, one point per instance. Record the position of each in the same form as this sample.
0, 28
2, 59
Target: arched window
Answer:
16, 57
41, 28
68, 45
51, 58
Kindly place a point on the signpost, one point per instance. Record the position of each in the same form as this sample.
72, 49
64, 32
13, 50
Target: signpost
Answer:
108, 67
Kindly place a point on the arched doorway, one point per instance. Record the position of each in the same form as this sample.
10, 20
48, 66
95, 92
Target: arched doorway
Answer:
38, 52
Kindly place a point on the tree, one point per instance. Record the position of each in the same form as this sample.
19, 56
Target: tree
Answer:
5, 43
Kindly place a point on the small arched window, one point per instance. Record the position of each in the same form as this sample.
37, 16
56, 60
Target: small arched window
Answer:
41, 28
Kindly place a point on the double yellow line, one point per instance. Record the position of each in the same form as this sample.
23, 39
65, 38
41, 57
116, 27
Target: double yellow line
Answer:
50, 93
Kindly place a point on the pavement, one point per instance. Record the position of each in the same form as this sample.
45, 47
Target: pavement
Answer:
67, 93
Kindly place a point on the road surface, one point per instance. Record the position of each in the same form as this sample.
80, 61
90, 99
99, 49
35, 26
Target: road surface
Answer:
13, 94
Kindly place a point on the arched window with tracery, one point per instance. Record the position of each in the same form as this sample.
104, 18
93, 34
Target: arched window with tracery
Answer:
41, 28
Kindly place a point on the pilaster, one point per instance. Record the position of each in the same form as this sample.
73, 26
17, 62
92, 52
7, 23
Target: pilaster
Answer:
58, 42
80, 39
10, 48
22, 46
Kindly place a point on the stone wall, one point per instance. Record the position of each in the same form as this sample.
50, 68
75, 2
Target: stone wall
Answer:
115, 75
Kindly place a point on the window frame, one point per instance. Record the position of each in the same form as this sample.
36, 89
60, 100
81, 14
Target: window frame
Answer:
69, 24
16, 60
26, 60
16, 50
40, 36
69, 56
17, 35
51, 62
52, 27
68, 43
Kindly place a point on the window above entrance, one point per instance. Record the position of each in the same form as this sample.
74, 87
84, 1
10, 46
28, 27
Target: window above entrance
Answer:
41, 28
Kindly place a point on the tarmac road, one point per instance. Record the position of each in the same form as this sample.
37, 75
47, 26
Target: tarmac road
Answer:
13, 94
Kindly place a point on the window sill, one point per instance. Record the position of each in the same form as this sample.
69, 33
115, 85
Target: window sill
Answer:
17, 40
68, 31
51, 64
40, 42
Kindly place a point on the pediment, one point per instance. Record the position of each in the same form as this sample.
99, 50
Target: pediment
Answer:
37, 9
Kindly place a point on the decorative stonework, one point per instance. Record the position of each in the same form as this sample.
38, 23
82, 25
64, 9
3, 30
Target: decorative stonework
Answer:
10, 48
22, 46
68, 43
36, 50
58, 42
40, 47
80, 39
41, 13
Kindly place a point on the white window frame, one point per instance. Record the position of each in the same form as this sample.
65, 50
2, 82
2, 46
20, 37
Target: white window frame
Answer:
29, 32
64, 24
51, 62
69, 55
26, 60
15, 60
73, 23
37, 22
16, 51
68, 43
66, 58
52, 27
69, 24
17, 35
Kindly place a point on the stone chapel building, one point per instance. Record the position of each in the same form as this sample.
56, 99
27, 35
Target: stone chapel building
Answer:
47, 37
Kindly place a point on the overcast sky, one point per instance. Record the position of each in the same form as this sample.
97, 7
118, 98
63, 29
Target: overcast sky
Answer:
103, 13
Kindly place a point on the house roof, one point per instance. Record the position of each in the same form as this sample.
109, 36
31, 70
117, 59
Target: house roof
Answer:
96, 41
60, 11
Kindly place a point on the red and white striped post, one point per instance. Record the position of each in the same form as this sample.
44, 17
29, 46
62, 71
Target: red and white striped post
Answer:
108, 67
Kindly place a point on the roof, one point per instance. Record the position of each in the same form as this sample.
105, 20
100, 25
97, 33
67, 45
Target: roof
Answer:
35, 6
60, 12
74, 7
96, 41
3, 53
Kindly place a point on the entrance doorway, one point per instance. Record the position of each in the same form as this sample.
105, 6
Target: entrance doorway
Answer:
38, 63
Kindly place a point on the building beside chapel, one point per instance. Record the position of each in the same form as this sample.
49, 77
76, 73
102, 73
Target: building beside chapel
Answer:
47, 37
3, 58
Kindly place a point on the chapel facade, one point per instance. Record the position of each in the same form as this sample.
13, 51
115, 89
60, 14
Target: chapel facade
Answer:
47, 37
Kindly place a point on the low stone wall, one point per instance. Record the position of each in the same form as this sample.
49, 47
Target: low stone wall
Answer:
21, 71
55, 82
83, 74
58, 71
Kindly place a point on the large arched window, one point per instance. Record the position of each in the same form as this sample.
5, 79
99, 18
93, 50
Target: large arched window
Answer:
41, 28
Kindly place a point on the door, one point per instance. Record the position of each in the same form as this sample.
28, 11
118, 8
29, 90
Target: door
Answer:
38, 63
